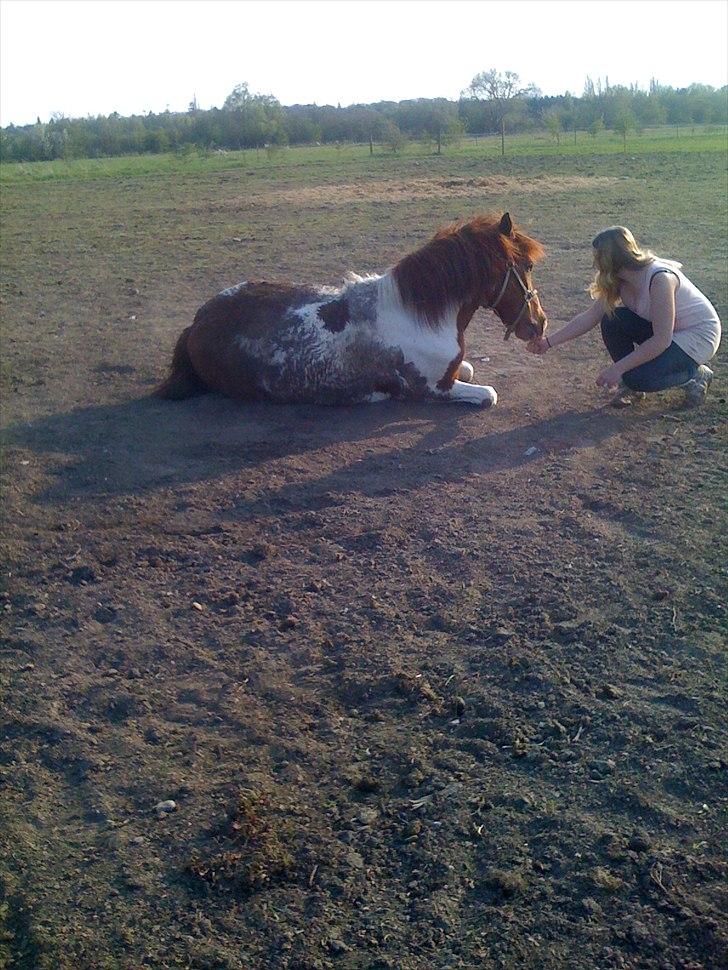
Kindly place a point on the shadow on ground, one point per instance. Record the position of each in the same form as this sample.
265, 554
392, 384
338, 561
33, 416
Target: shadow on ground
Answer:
145, 444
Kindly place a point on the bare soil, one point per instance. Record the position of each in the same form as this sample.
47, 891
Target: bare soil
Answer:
406, 190
429, 687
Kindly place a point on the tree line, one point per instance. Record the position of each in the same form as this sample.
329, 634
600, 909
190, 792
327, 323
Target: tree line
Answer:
493, 102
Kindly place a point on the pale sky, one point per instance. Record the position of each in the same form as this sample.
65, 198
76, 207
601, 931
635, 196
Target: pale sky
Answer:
90, 57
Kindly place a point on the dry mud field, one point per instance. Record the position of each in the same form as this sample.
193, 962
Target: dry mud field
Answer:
423, 696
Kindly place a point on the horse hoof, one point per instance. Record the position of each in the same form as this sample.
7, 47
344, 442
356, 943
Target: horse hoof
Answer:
466, 372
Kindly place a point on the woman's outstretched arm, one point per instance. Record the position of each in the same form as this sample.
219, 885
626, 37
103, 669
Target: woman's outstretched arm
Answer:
582, 323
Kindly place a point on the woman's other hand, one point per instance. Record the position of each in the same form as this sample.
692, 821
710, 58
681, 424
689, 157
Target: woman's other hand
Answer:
538, 345
610, 376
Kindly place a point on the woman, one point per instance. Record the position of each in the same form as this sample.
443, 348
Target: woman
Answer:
659, 329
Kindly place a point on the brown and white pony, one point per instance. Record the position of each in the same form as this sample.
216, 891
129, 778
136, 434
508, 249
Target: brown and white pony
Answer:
399, 335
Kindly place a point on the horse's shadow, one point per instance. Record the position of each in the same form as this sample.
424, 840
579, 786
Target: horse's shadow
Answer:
441, 454
146, 445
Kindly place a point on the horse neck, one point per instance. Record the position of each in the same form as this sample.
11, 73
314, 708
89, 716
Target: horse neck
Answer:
390, 302
464, 316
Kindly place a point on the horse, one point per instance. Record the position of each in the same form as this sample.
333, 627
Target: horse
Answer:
399, 335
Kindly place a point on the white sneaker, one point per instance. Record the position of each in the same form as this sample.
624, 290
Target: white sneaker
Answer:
697, 388
625, 397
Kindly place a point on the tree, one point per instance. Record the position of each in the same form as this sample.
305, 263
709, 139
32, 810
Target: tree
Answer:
433, 121
502, 92
595, 127
238, 98
648, 109
251, 120
393, 138
624, 122
553, 123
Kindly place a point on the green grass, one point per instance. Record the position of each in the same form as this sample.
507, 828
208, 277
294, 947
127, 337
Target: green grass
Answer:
329, 159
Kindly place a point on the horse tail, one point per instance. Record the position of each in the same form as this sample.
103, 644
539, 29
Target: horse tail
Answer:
182, 381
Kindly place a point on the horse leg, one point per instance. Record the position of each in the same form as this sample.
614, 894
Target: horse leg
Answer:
479, 395
435, 364
455, 385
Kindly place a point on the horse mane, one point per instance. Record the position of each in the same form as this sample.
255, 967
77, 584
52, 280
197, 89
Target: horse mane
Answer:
452, 267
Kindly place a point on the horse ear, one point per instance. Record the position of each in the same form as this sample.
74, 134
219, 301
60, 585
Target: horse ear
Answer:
506, 226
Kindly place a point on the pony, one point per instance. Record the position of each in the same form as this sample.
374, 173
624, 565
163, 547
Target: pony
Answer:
397, 335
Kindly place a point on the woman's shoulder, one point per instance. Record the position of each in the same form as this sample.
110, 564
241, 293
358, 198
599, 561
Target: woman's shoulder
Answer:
661, 265
668, 271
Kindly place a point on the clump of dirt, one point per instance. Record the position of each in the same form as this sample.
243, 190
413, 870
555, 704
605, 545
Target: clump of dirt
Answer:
251, 848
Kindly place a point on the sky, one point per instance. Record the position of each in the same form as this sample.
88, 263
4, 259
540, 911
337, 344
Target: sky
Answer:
92, 57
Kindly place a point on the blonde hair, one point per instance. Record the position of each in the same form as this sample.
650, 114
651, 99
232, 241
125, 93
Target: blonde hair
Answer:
615, 249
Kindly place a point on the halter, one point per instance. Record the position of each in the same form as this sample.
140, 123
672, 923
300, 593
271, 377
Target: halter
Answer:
528, 297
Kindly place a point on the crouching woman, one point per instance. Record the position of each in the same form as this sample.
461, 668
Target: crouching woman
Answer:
657, 326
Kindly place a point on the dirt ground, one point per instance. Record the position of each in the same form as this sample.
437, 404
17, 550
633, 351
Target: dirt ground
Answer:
428, 687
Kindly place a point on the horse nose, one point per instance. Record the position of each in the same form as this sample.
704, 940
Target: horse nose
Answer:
538, 320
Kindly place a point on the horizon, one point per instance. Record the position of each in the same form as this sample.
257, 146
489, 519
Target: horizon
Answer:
405, 51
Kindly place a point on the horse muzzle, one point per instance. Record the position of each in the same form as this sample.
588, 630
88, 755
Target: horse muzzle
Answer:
531, 322
534, 326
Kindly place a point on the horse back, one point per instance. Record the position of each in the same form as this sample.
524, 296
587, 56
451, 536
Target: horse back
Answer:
256, 310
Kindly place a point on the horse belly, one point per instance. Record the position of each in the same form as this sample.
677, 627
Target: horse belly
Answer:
237, 338
330, 372
287, 370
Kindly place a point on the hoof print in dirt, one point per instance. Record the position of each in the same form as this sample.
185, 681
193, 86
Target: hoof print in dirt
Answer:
106, 614
604, 880
367, 784
458, 706
416, 688
256, 554
640, 841
81, 576
116, 705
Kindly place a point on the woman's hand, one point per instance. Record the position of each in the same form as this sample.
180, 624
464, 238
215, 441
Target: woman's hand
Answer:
610, 376
538, 345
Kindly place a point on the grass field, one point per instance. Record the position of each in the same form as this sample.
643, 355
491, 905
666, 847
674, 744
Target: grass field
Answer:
431, 688
348, 156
